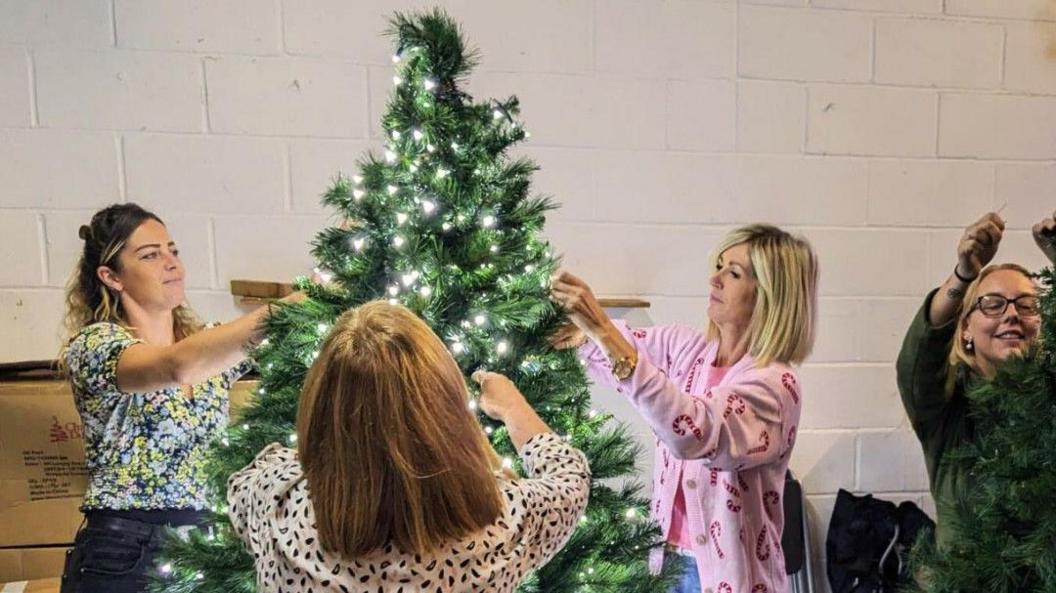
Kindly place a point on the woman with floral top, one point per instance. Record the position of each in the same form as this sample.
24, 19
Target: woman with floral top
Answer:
394, 486
151, 385
724, 404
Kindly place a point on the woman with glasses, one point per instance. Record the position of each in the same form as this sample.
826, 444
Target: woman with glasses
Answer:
978, 318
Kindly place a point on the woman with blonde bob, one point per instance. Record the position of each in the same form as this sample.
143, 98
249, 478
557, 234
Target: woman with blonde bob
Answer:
723, 404
394, 484
980, 316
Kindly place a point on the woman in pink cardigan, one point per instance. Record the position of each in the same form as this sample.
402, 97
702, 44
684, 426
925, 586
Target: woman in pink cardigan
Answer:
723, 403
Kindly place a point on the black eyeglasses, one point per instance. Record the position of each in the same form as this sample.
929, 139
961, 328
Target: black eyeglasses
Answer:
995, 305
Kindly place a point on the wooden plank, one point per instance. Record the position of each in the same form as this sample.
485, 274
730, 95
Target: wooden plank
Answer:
259, 291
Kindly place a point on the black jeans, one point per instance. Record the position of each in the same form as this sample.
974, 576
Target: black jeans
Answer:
114, 550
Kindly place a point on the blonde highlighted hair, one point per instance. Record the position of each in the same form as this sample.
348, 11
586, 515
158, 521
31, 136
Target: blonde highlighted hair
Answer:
388, 445
88, 299
959, 357
784, 320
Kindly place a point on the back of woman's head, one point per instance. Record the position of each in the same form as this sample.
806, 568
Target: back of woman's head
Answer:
390, 450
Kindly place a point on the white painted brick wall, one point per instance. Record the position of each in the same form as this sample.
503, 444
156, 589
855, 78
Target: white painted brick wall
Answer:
991, 126
862, 120
918, 52
14, 74
877, 128
799, 44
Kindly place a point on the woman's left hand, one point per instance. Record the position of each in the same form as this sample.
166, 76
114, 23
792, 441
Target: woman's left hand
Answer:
1045, 236
583, 308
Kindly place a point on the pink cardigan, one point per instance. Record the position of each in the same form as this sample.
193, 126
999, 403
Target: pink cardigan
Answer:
730, 443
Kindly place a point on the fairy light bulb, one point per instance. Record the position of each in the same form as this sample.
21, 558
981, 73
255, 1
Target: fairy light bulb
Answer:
430, 148
401, 217
390, 156
396, 134
507, 462
429, 84
502, 347
397, 81
496, 114
441, 173
458, 347
425, 291
394, 290
428, 206
480, 319
358, 194
323, 328
292, 438
396, 58
357, 179
488, 221
398, 241
417, 134
446, 226
392, 189
357, 244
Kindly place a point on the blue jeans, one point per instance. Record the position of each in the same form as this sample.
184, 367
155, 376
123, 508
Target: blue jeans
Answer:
114, 551
690, 582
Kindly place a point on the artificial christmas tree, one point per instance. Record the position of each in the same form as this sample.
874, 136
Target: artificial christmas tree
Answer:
442, 222
1002, 530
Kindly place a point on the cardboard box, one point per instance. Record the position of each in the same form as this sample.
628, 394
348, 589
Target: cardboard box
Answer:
42, 471
39, 586
25, 564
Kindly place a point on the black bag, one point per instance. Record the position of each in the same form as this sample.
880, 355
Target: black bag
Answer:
869, 542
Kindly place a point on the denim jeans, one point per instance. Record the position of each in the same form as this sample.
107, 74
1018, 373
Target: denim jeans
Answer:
690, 582
114, 550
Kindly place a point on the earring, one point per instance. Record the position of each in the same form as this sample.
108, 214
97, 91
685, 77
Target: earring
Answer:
969, 345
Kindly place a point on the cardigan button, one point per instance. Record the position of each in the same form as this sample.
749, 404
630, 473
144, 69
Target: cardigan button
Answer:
691, 484
702, 540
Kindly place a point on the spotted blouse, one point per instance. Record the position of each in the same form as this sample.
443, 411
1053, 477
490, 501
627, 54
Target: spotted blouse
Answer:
270, 509
142, 450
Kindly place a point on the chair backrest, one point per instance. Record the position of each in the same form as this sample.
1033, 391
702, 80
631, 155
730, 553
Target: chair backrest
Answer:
793, 540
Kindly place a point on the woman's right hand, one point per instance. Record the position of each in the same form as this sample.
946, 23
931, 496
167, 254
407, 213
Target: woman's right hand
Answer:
499, 397
978, 244
1045, 236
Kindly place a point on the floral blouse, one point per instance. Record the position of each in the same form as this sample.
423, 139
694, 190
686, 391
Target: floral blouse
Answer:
142, 450
270, 509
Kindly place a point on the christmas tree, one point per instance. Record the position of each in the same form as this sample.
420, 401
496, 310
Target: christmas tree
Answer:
444, 223
1005, 523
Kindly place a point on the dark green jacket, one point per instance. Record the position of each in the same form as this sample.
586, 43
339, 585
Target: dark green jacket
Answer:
939, 416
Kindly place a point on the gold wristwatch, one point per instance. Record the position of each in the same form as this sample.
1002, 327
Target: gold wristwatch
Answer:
624, 366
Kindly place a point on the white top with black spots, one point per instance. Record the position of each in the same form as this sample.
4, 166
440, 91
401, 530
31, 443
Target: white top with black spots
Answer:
270, 510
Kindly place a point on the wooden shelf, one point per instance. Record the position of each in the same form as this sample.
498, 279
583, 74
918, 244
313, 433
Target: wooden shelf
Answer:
260, 291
